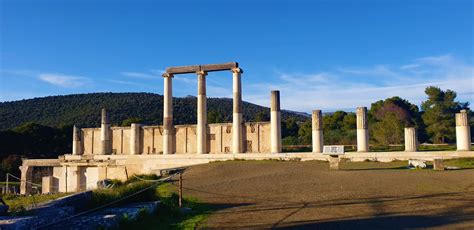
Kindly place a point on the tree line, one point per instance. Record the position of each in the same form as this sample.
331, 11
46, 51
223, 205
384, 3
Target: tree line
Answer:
434, 121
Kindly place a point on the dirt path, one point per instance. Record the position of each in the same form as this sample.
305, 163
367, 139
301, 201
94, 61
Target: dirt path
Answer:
270, 194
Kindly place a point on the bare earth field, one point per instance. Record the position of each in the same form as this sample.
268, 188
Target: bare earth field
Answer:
365, 195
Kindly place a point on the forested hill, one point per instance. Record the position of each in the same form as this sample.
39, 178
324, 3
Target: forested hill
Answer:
84, 110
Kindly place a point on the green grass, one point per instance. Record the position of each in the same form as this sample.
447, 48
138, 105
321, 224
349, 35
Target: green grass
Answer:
464, 163
18, 204
169, 215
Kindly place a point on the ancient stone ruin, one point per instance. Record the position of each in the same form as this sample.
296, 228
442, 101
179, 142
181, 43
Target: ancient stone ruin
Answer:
120, 152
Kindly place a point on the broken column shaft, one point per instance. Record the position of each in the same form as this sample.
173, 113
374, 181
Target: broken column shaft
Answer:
317, 133
134, 139
275, 122
237, 122
411, 141
105, 133
201, 114
76, 141
463, 131
362, 130
168, 129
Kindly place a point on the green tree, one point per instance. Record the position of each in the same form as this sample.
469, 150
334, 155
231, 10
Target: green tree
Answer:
305, 133
130, 121
214, 117
389, 117
262, 116
438, 114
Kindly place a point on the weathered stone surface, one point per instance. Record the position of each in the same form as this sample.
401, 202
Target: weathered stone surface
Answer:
183, 69
334, 162
463, 131
362, 130
438, 164
411, 139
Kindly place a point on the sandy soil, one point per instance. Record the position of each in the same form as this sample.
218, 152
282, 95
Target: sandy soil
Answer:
367, 195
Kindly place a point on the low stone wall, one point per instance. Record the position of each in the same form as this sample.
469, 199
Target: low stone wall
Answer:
143, 164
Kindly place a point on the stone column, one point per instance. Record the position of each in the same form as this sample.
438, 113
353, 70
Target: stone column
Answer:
26, 179
411, 140
168, 129
135, 139
105, 133
76, 141
362, 130
317, 134
463, 131
237, 120
275, 122
201, 134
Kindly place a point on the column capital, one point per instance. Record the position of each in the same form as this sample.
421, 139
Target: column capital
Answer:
201, 73
170, 75
237, 70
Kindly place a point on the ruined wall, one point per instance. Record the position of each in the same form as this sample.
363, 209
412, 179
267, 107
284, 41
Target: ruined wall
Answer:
256, 136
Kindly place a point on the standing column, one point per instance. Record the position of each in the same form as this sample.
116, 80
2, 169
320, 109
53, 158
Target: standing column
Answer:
317, 125
135, 139
105, 133
26, 179
411, 140
237, 122
76, 141
362, 130
275, 122
463, 131
201, 114
168, 129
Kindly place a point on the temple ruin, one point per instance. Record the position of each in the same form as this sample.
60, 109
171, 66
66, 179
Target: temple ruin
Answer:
120, 152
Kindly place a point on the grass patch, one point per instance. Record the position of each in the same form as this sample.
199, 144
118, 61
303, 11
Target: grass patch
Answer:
19, 204
169, 215
464, 163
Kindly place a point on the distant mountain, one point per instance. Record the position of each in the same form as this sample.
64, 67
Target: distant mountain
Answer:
84, 110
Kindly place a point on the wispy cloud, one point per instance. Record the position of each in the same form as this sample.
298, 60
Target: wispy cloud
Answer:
139, 75
66, 81
347, 88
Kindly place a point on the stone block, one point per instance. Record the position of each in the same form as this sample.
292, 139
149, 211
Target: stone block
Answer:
47, 185
334, 162
438, 164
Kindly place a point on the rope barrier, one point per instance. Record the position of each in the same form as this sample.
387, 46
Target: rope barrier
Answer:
106, 205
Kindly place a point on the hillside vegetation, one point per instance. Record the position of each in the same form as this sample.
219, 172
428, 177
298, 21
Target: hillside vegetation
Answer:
84, 110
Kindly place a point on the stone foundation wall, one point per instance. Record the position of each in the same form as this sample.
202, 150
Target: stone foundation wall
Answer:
256, 137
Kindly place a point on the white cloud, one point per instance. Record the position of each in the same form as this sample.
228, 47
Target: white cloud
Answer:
347, 88
66, 81
140, 75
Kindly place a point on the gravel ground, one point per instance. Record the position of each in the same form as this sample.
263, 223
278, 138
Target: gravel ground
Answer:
366, 195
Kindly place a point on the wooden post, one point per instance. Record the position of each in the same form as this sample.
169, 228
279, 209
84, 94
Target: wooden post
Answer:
6, 185
180, 192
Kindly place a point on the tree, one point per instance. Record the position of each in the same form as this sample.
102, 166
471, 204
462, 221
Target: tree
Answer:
130, 121
389, 117
438, 114
214, 117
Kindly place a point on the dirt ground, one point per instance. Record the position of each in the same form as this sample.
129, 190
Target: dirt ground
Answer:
366, 195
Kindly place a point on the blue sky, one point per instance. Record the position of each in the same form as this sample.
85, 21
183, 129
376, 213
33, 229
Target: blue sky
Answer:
326, 55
